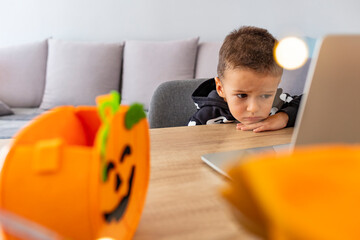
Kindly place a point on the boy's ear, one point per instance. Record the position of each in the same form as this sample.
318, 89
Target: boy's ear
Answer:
220, 88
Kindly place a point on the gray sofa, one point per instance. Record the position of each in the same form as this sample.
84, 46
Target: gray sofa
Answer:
38, 76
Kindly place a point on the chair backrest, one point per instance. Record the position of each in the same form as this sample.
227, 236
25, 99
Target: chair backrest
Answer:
171, 104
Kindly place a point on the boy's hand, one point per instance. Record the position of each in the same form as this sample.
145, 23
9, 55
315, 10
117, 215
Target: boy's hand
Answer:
274, 122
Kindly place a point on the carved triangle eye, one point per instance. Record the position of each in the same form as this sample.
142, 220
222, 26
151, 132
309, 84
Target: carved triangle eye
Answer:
127, 151
118, 182
110, 166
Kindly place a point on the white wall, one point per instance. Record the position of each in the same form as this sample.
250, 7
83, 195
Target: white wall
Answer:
119, 20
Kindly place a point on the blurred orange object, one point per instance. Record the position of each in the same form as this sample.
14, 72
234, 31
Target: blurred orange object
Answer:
21, 228
56, 174
312, 193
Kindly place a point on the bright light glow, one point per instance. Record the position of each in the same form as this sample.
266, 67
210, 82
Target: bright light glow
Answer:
291, 53
105, 238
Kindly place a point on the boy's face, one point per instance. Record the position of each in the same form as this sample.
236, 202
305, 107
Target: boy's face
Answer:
249, 95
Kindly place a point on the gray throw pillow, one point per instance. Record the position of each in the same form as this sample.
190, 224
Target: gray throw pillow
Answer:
148, 64
77, 72
207, 59
22, 74
4, 109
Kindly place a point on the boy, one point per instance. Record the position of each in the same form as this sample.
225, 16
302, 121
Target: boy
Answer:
246, 89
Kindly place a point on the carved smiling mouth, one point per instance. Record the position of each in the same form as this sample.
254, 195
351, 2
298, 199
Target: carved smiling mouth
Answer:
119, 210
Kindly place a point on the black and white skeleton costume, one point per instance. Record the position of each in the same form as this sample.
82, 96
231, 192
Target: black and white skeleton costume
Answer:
213, 109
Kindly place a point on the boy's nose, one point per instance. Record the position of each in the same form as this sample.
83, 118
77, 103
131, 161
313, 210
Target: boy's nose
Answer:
252, 106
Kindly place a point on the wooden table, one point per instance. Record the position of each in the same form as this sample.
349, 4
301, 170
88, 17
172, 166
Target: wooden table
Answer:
183, 200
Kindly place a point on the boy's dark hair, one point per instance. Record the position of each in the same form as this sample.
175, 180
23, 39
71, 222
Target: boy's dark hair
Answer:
248, 48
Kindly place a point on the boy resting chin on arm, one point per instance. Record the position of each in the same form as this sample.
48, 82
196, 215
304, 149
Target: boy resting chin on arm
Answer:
246, 89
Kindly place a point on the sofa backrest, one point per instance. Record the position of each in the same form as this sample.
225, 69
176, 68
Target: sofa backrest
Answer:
72, 73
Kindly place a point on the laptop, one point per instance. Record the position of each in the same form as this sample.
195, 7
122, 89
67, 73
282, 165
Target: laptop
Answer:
330, 108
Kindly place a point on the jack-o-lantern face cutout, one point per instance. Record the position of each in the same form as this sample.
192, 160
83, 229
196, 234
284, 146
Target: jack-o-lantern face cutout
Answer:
119, 210
125, 170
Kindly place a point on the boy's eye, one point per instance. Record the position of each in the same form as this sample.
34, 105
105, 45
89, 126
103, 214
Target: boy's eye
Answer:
243, 95
266, 96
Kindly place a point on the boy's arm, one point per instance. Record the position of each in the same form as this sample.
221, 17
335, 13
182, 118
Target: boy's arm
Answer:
291, 109
199, 118
210, 115
274, 122
194, 121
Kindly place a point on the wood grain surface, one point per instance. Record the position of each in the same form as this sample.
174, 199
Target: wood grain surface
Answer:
183, 199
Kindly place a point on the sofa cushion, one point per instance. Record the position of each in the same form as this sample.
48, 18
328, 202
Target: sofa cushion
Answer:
77, 72
293, 81
147, 64
4, 109
22, 74
207, 59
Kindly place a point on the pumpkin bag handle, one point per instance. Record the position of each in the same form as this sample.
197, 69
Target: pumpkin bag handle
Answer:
47, 155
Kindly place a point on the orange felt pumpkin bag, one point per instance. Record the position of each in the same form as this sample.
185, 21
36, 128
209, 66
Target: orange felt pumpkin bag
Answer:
81, 172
